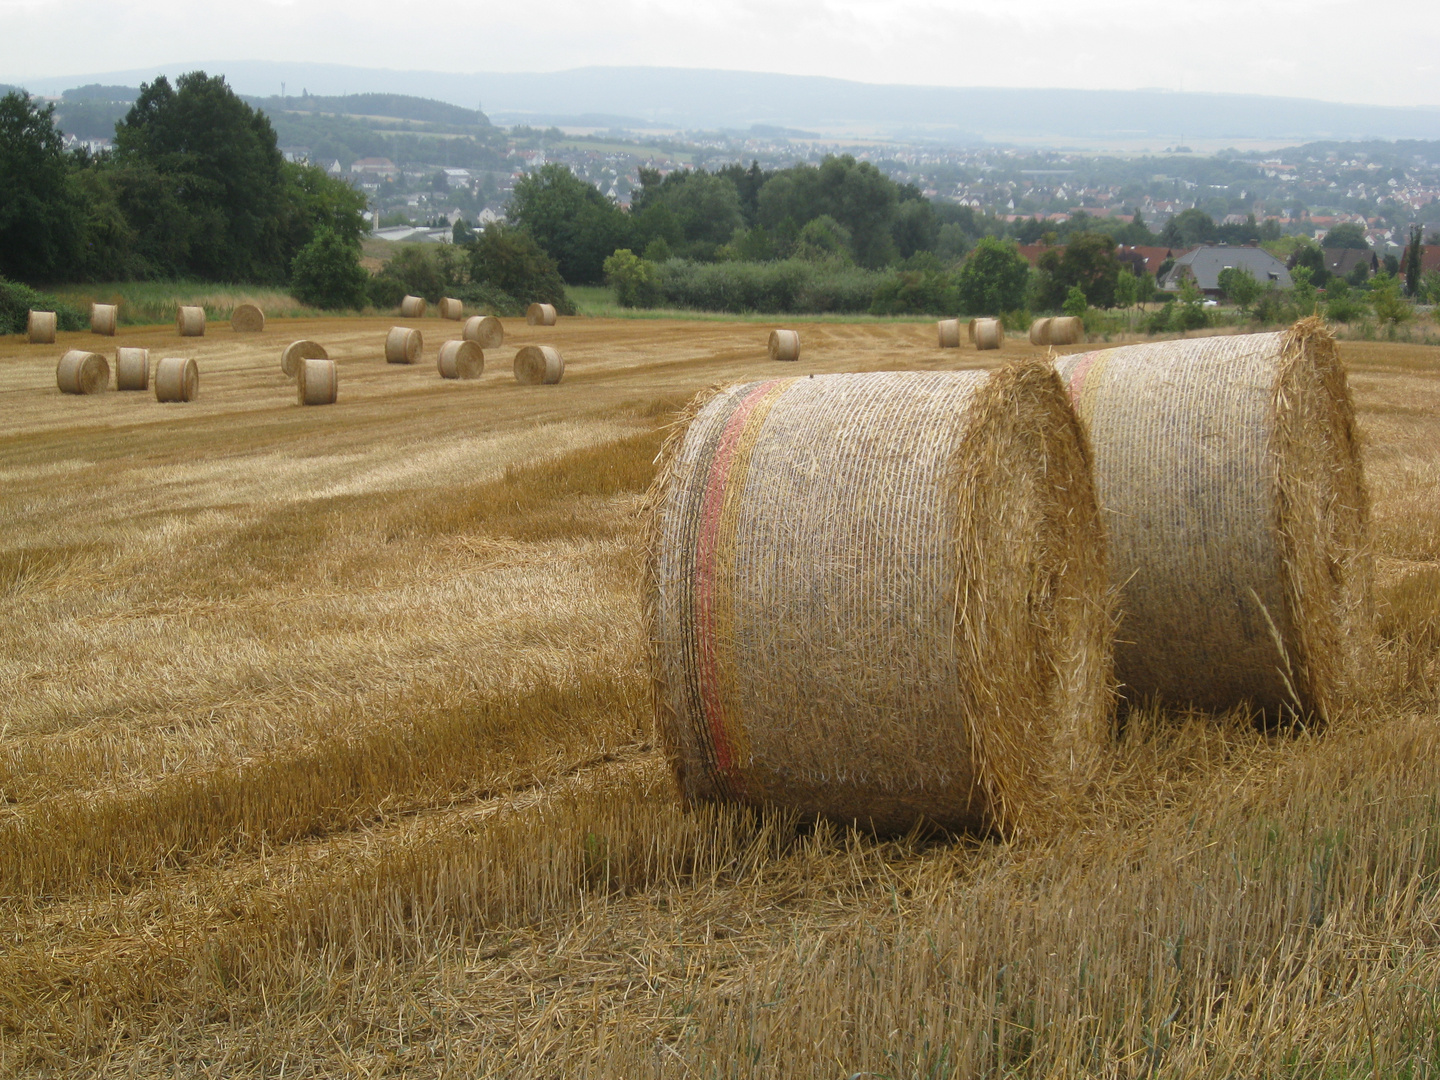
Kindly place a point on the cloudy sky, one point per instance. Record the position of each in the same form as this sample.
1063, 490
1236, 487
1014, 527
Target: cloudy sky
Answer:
1382, 52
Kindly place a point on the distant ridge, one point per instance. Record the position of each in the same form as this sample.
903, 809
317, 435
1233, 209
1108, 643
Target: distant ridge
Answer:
708, 100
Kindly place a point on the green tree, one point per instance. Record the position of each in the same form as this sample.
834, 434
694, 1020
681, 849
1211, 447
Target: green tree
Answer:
1414, 262
1189, 228
576, 225
1311, 257
1087, 261
1127, 288
415, 267
1359, 274
1349, 235
1240, 287
823, 239
326, 272
41, 215
1341, 305
1075, 302
1389, 306
993, 279
1189, 313
632, 278
509, 261
1302, 291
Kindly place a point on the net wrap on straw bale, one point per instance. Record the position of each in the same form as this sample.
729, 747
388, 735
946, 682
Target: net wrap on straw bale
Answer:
880, 597
485, 330
540, 315
40, 327
297, 352
403, 345
132, 369
1230, 481
537, 365
450, 308
81, 372
989, 333
316, 381
949, 333
190, 321
460, 360
104, 318
412, 307
177, 378
783, 345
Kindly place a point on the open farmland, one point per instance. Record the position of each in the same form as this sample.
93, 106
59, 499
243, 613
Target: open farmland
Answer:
325, 750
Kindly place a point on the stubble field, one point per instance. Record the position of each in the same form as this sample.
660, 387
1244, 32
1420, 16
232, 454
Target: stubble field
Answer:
325, 750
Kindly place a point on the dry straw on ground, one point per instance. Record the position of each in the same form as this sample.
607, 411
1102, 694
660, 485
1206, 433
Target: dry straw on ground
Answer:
40, 327
81, 372
403, 345
881, 597
783, 345
297, 352
104, 318
989, 333
450, 308
539, 364
132, 369
247, 319
177, 378
190, 321
540, 315
316, 381
460, 360
949, 332
412, 307
485, 330
1229, 472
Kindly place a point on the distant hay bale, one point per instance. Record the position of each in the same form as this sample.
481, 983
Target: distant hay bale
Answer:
40, 327
485, 330
177, 378
81, 372
190, 321
1229, 477
540, 315
298, 351
989, 334
104, 318
412, 307
1066, 330
1040, 331
539, 364
316, 381
451, 308
970, 331
784, 345
402, 345
949, 330
461, 360
247, 319
880, 597
132, 369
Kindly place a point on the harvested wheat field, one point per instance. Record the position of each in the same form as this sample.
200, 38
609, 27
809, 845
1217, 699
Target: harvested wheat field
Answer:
326, 750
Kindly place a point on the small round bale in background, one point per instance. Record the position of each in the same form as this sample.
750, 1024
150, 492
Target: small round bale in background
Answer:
1040, 331
539, 364
412, 307
177, 378
190, 321
461, 360
989, 334
104, 318
949, 330
485, 331
297, 351
970, 331
81, 372
40, 327
316, 381
132, 369
540, 315
784, 345
880, 598
402, 345
450, 308
1066, 330
247, 319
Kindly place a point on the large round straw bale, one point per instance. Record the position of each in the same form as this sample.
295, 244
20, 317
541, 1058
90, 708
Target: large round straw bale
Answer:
190, 321
412, 307
880, 597
485, 331
40, 327
949, 331
1066, 330
402, 345
970, 331
103, 319
989, 334
461, 360
316, 382
1230, 482
81, 372
177, 378
298, 351
1040, 331
132, 369
540, 315
247, 319
784, 345
450, 308
537, 364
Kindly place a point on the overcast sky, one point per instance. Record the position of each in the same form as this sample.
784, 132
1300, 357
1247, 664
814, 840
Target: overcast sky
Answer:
1382, 52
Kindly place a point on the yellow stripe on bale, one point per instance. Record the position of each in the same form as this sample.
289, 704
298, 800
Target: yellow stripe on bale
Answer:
989, 334
40, 327
81, 372
402, 345
247, 319
784, 345
297, 352
537, 365
540, 315
880, 598
177, 378
132, 369
460, 360
949, 333
316, 381
104, 318
412, 307
450, 308
1230, 480
485, 330
190, 321
1040, 331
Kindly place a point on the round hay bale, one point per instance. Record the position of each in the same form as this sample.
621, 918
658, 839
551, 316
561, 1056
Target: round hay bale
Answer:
40, 327
784, 345
451, 308
540, 315
949, 330
190, 321
989, 334
461, 360
1230, 482
485, 330
1040, 331
247, 319
537, 365
412, 307
104, 318
402, 345
924, 634
316, 381
81, 372
297, 351
177, 378
1066, 330
132, 369
970, 331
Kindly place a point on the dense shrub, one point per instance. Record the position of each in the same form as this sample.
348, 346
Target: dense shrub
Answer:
384, 291
327, 273
17, 301
792, 286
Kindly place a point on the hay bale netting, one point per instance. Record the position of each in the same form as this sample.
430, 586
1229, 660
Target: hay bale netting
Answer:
402, 345
412, 307
460, 360
177, 378
924, 634
949, 331
1040, 331
247, 319
1066, 330
485, 331
190, 321
784, 345
450, 308
989, 334
1231, 487
539, 364
540, 315
132, 369
316, 381
297, 352
40, 327
81, 372
104, 318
